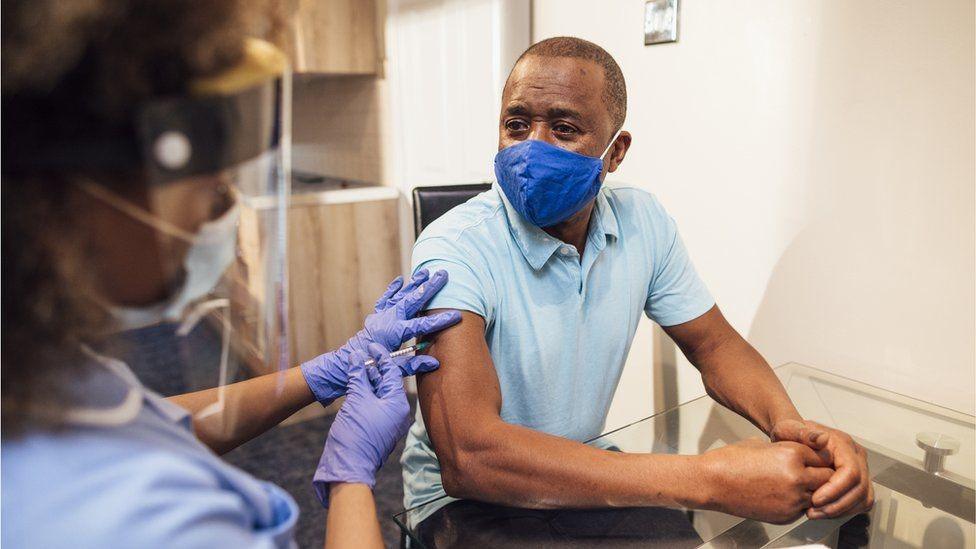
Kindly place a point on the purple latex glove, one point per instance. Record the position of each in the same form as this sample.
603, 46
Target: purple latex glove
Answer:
393, 321
391, 325
366, 429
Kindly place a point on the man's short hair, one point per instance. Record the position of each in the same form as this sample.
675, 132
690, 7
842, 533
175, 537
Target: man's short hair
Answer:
614, 89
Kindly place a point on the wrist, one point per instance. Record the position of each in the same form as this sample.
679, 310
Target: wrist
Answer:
336, 489
705, 482
786, 415
703, 478
327, 478
297, 382
340, 463
324, 378
689, 481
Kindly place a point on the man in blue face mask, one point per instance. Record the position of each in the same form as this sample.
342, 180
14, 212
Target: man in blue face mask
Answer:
551, 270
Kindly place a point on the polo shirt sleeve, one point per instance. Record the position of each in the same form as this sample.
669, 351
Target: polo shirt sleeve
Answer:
676, 294
469, 286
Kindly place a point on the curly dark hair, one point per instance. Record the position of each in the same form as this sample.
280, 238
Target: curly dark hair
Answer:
77, 70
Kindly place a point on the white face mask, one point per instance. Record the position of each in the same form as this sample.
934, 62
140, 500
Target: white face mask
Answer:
212, 250
210, 253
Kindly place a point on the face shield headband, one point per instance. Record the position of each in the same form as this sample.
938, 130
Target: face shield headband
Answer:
222, 121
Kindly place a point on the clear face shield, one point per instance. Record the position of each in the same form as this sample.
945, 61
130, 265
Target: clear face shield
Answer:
194, 260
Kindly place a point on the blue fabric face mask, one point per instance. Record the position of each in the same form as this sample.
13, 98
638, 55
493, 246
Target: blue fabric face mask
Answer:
547, 184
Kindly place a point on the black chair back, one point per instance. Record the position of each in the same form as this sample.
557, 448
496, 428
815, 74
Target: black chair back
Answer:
429, 203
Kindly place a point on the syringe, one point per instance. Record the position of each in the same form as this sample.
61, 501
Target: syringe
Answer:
405, 351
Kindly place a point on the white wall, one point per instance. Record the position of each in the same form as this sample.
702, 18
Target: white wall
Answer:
819, 159
447, 61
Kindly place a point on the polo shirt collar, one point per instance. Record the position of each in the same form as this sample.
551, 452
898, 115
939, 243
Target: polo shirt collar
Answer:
538, 247
604, 216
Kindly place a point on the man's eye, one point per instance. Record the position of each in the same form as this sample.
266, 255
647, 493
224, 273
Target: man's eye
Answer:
516, 125
564, 128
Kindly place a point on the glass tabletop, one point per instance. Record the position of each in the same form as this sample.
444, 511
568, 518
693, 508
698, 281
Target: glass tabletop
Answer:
921, 456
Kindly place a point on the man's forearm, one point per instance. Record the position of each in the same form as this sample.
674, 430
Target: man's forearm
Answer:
734, 373
739, 378
485, 458
513, 465
249, 408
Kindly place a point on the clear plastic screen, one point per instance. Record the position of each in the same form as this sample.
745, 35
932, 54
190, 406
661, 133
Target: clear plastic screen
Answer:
217, 243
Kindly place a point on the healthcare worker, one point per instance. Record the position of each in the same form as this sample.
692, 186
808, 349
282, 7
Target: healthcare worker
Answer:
145, 184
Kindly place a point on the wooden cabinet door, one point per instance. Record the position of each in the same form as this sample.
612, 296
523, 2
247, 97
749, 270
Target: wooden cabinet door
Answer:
341, 256
333, 36
340, 259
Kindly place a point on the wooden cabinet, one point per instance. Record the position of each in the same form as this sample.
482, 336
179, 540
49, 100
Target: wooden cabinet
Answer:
334, 36
343, 250
341, 256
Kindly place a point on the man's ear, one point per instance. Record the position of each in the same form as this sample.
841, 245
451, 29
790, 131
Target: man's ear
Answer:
618, 151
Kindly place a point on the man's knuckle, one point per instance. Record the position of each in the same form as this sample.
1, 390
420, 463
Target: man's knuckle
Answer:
794, 478
849, 476
800, 500
790, 453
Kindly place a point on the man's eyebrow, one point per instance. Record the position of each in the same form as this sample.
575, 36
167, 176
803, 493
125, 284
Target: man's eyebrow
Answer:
563, 112
520, 109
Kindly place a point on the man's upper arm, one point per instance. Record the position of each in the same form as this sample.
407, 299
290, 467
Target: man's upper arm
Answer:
699, 337
676, 294
469, 286
462, 397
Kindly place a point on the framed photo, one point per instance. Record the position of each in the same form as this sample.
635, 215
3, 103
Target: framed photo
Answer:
660, 21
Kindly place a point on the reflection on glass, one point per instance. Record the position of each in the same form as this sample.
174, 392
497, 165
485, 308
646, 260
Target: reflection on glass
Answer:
914, 508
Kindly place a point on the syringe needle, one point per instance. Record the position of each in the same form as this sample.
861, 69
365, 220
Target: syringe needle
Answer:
405, 351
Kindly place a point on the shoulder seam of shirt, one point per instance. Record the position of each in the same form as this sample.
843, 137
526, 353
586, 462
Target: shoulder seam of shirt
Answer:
626, 187
457, 234
642, 195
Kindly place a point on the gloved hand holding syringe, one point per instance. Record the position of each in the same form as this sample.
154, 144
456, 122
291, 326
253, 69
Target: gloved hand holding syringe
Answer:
402, 352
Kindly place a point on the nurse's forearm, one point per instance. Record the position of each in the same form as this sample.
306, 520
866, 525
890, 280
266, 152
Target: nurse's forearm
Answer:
249, 408
352, 518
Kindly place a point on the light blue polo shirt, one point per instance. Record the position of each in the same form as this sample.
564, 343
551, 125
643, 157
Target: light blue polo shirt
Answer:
558, 329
